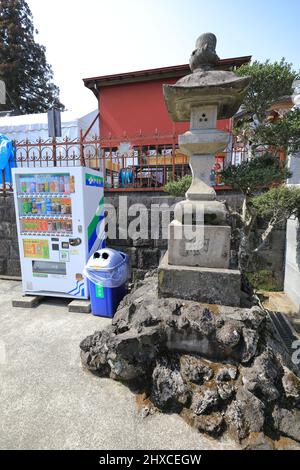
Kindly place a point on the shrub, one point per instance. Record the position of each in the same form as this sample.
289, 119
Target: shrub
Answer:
178, 188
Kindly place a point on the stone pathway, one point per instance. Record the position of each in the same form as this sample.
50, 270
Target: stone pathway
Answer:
47, 401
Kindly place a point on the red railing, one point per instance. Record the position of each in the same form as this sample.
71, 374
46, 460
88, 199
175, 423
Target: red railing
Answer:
140, 163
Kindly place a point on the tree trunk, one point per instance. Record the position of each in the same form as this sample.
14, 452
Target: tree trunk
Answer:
265, 236
244, 253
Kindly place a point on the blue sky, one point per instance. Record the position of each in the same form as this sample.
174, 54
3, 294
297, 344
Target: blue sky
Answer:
98, 37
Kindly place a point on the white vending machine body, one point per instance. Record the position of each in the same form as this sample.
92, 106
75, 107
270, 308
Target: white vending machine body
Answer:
60, 223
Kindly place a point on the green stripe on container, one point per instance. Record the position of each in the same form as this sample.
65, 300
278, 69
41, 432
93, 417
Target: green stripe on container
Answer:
92, 226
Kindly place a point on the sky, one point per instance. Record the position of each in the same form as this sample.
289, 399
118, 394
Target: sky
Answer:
88, 38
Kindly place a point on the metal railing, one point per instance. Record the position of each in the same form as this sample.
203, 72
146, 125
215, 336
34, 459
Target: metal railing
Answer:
139, 163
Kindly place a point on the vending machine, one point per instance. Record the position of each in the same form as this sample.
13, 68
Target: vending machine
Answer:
60, 222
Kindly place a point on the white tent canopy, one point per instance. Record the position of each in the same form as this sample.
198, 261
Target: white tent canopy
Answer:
35, 126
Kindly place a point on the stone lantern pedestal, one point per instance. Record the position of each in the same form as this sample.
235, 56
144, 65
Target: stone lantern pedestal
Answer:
196, 265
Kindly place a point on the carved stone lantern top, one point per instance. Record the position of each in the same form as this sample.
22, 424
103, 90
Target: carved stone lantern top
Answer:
206, 85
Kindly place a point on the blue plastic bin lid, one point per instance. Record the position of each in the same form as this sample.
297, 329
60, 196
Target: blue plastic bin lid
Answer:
107, 259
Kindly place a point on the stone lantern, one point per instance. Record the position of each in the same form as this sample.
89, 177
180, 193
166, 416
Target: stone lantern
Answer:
196, 264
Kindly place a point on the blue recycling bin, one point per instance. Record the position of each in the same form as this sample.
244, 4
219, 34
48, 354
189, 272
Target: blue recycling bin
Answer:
107, 274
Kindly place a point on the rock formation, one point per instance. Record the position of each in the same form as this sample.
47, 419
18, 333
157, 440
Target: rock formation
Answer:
224, 369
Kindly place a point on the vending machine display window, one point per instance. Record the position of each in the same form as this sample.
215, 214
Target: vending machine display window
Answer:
40, 183
45, 204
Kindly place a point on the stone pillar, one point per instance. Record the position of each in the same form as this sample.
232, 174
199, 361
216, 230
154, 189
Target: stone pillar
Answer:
196, 265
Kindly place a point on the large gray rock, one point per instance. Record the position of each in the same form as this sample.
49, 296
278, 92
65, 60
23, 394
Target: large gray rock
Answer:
226, 374
212, 424
245, 415
258, 441
291, 385
168, 388
250, 339
229, 336
225, 367
263, 378
194, 369
206, 400
226, 391
287, 422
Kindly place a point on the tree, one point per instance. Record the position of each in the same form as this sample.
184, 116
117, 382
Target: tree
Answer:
276, 205
283, 134
23, 65
249, 178
269, 81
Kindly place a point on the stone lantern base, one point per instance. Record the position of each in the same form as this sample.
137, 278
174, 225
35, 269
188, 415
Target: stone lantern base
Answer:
208, 285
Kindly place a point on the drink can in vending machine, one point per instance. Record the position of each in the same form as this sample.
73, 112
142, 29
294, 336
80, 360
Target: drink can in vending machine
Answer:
29, 206
56, 184
24, 187
46, 185
52, 185
63, 207
25, 206
39, 206
42, 184
44, 226
33, 186
34, 207
72, 184
67, 183
61, 184
48, 206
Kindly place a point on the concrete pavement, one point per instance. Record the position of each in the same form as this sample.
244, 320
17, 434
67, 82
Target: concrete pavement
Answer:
47, 401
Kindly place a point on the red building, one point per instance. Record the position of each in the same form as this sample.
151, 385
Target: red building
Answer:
132, 113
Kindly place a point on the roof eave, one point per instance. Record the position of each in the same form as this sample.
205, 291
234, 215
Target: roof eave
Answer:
177, 71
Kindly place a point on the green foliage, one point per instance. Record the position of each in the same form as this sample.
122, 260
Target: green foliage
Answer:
178, 188
23, 66
269, 81
278, 204
250, 176
263, 280
284, 133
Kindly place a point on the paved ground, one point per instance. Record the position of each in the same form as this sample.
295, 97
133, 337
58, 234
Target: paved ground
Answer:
47, 401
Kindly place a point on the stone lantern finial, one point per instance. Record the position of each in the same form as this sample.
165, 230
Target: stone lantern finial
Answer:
204, 57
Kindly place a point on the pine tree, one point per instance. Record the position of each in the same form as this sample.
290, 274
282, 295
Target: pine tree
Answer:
23, 65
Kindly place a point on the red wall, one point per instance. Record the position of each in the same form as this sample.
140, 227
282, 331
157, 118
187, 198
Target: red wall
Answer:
135, 107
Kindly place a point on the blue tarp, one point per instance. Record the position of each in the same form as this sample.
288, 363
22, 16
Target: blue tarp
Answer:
6, 157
